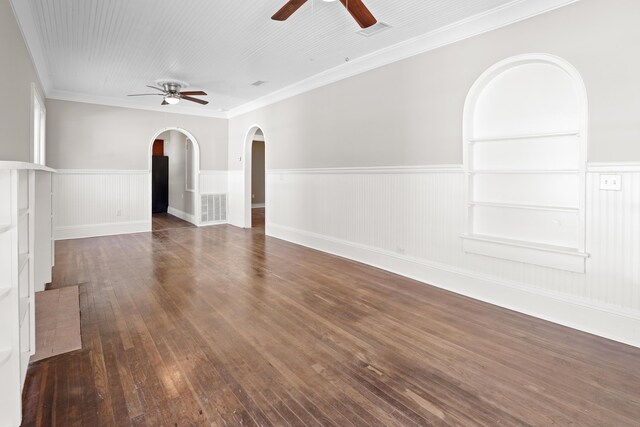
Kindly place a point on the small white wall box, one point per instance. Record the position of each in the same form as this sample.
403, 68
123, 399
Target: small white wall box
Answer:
611, 182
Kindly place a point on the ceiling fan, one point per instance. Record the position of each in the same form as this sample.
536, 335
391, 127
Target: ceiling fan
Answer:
172, 94
356, 8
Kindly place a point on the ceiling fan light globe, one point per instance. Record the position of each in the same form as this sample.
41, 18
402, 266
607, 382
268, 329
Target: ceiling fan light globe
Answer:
172, 100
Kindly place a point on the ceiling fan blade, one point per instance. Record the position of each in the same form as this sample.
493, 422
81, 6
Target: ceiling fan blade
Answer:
147, 94
360, 13
194, 92
156, 88
199, 101
287, 10
164, 102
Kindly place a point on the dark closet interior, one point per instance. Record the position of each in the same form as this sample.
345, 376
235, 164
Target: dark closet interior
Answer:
159, 178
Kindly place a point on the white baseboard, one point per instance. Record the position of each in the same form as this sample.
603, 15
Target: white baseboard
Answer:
257, 205
209, 224
95, 230
182, 215
608, 322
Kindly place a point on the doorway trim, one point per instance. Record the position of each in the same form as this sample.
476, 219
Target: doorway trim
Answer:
248, 144
196, 197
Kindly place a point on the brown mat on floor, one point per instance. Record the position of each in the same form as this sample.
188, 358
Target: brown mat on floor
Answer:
57, 322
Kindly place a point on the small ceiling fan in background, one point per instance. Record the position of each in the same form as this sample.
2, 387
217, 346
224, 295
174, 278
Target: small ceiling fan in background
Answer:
171, 93
356, 8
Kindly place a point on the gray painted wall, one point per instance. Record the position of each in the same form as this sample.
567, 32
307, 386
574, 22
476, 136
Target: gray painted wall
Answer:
17, 72
88, 136
257, 172
410, 112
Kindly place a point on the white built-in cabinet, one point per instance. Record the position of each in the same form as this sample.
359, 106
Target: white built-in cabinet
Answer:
25, 201
525, 141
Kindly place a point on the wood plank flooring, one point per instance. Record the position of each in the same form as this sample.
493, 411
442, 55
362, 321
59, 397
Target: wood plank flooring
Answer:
224, 326
258, 219
165, 221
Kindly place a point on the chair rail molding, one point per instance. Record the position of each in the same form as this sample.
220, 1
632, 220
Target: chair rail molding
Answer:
452, 168
596, 167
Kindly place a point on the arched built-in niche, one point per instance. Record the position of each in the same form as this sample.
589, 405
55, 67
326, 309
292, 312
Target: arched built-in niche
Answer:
196, 173
248, 144
525, 144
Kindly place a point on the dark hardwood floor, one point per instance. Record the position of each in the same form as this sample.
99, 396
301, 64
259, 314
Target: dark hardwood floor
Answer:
165, 221
224, 326
258, 219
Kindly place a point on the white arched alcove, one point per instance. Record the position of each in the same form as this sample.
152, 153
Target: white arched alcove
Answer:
525, 150
196, 153
248, 144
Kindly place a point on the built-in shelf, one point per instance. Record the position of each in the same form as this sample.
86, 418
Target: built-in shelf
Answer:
24, 307
525, 136
524, 171
18, 247
22, 261
526, 207
11, 165
526, 244
563, 258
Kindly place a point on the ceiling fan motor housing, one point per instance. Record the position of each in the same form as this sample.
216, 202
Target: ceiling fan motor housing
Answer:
172, 92
171, 86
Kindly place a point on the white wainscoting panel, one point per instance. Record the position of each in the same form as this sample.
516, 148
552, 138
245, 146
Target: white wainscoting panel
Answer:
105, 202
214, 181
410, 222
236, 197
101, 202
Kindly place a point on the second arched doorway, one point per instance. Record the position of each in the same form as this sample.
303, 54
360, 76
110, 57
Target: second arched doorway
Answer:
255, 200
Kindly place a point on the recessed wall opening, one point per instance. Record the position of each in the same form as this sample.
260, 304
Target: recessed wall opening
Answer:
255, 180
525, 156
174, 164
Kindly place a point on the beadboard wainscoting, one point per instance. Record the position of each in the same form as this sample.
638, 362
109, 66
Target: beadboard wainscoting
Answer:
91, 203
214, 181
236, 198
101, 202
410, 221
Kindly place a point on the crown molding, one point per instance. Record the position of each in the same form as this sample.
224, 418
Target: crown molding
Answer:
122, 102
27, 25
510, 13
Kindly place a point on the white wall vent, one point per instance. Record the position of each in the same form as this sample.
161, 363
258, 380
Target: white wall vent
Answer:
213, 208
374, 29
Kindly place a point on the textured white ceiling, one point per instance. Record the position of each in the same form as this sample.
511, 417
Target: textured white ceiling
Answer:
110, 48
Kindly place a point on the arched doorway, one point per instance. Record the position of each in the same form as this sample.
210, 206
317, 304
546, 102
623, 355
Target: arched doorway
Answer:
179, 154
255, 198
